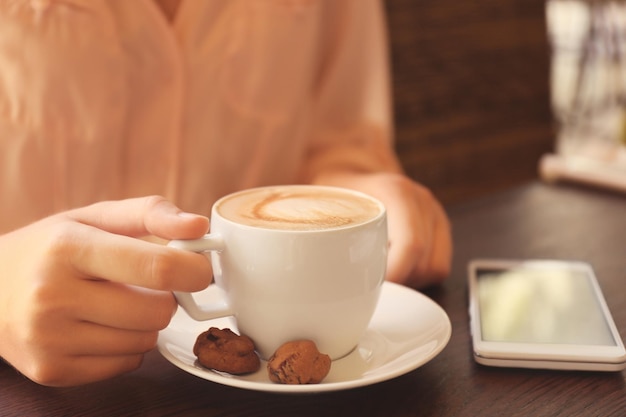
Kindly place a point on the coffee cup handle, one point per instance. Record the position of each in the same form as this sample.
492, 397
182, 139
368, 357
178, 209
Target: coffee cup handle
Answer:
215, 309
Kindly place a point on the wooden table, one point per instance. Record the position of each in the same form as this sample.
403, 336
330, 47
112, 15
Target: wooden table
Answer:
534, 221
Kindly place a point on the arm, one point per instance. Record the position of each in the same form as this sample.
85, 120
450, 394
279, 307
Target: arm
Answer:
353, 143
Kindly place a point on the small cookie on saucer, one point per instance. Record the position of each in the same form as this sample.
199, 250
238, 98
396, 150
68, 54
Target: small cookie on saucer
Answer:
224, 350
298, 362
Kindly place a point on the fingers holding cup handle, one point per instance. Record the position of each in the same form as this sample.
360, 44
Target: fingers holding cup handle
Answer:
215, 309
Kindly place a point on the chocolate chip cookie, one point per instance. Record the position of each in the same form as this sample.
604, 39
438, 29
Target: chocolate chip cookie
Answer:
224, 350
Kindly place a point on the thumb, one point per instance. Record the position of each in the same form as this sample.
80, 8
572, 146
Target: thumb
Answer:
143, 216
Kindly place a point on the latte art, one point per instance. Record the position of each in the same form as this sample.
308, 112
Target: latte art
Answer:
298, 208
302, 210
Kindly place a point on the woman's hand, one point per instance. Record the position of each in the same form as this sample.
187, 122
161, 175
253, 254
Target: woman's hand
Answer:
82, 298
420, 242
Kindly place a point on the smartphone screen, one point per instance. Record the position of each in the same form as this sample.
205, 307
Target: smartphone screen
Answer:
541, 305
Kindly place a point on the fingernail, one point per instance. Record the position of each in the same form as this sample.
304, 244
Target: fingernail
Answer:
187, 215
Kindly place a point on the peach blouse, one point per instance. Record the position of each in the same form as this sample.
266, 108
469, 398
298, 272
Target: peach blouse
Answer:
106, 99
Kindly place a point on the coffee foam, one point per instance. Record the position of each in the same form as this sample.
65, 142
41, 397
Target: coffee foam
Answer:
298, 208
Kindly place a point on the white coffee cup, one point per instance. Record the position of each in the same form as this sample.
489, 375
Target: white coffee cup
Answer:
295, 262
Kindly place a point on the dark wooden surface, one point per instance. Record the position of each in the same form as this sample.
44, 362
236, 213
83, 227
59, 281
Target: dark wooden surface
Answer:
471, 86
535, 220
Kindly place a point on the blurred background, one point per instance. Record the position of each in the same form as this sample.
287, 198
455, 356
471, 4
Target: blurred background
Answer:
484, 88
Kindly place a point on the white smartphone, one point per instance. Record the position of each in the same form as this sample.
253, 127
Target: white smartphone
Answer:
541, 314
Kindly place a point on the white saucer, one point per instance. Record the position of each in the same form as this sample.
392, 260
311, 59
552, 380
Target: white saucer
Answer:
407, 330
